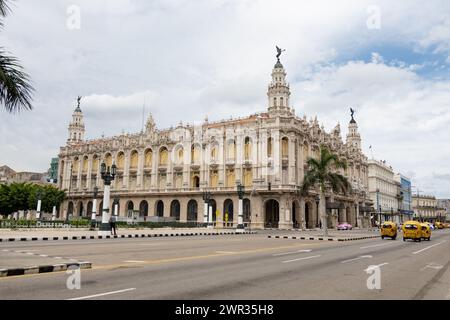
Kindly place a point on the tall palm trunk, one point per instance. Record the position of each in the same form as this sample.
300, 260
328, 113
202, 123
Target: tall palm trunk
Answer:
323, 212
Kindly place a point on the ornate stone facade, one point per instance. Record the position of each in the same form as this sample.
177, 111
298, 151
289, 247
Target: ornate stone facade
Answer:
164, 172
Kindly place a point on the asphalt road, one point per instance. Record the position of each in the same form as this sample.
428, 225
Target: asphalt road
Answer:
240, 267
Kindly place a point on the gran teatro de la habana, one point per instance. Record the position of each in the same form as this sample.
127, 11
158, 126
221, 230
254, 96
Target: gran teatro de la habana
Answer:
165, 174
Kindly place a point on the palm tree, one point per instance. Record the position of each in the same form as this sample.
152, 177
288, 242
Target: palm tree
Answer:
320, 174
15, 86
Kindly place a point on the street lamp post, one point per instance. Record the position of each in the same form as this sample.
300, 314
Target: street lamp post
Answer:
116, 206
379, 207
206, 198
240, 227
317, 208
39, 202
94, 209
107, 175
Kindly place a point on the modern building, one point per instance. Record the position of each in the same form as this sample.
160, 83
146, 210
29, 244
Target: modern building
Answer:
405, 197
426, 208
165, 172
383, 191
52, 173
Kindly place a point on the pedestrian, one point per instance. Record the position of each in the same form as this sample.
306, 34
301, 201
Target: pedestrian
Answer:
112, 223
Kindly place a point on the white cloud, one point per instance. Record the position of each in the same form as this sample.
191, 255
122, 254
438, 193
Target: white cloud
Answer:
188, 59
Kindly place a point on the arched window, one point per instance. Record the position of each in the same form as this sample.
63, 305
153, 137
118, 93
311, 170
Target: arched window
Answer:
214, 178
163, 156
231, 150
195, 182
285, 147
195, 154
175, 209
134, 159
274, 101
120, 160
247, 148
148, 158
248, 178
192, 210
281, 102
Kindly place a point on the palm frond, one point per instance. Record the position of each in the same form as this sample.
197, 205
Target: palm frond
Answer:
4, 10
338, 182
15, 86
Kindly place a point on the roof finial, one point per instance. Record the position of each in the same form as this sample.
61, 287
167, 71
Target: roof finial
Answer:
352, 112
279, 51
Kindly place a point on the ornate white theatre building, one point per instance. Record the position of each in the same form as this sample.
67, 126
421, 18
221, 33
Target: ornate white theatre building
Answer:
164, 172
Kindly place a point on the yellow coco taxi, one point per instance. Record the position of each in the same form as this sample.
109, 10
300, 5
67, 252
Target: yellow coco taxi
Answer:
439, 225
389, 229
412, 230
426, 231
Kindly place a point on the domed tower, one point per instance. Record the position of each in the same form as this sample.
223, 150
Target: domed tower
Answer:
353, 137
76, 127
278, 91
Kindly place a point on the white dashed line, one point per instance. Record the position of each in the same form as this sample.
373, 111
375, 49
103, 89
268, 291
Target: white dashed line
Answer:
376, 266
102, 294
305, 258
436, 244
292, 252
358, 258
376, 245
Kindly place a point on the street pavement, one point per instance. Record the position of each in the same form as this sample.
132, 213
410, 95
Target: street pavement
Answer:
250, 266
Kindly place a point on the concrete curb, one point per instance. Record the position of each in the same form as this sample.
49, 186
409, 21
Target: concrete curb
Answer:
322, 238
44, 268
143, 235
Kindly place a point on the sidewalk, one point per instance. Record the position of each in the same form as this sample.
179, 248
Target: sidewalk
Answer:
81, 234
333, 234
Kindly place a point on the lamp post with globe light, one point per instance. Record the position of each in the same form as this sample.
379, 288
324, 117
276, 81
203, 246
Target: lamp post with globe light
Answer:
107, 175
240, 227
94, 209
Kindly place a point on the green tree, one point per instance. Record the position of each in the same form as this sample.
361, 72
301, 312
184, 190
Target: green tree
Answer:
15, 85
24, 196
321, 174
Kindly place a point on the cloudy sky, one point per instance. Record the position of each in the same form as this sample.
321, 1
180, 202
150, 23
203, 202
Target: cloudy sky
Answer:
189, 59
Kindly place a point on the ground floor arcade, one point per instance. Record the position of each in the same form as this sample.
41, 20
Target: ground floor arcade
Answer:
269, 210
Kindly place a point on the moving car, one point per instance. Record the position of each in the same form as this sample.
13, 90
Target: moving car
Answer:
412, 230
439, 225
389, 229
426, 231
344, 226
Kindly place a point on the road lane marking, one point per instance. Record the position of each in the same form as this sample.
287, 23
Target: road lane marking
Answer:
102, 294
376, 245
436, 244
358, 258
291, 252
377, 266
226, 252
43, 255
305, 258
432, 265
134, 261
169, 260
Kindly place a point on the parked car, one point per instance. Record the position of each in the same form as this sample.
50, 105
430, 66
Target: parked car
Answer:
344, 226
